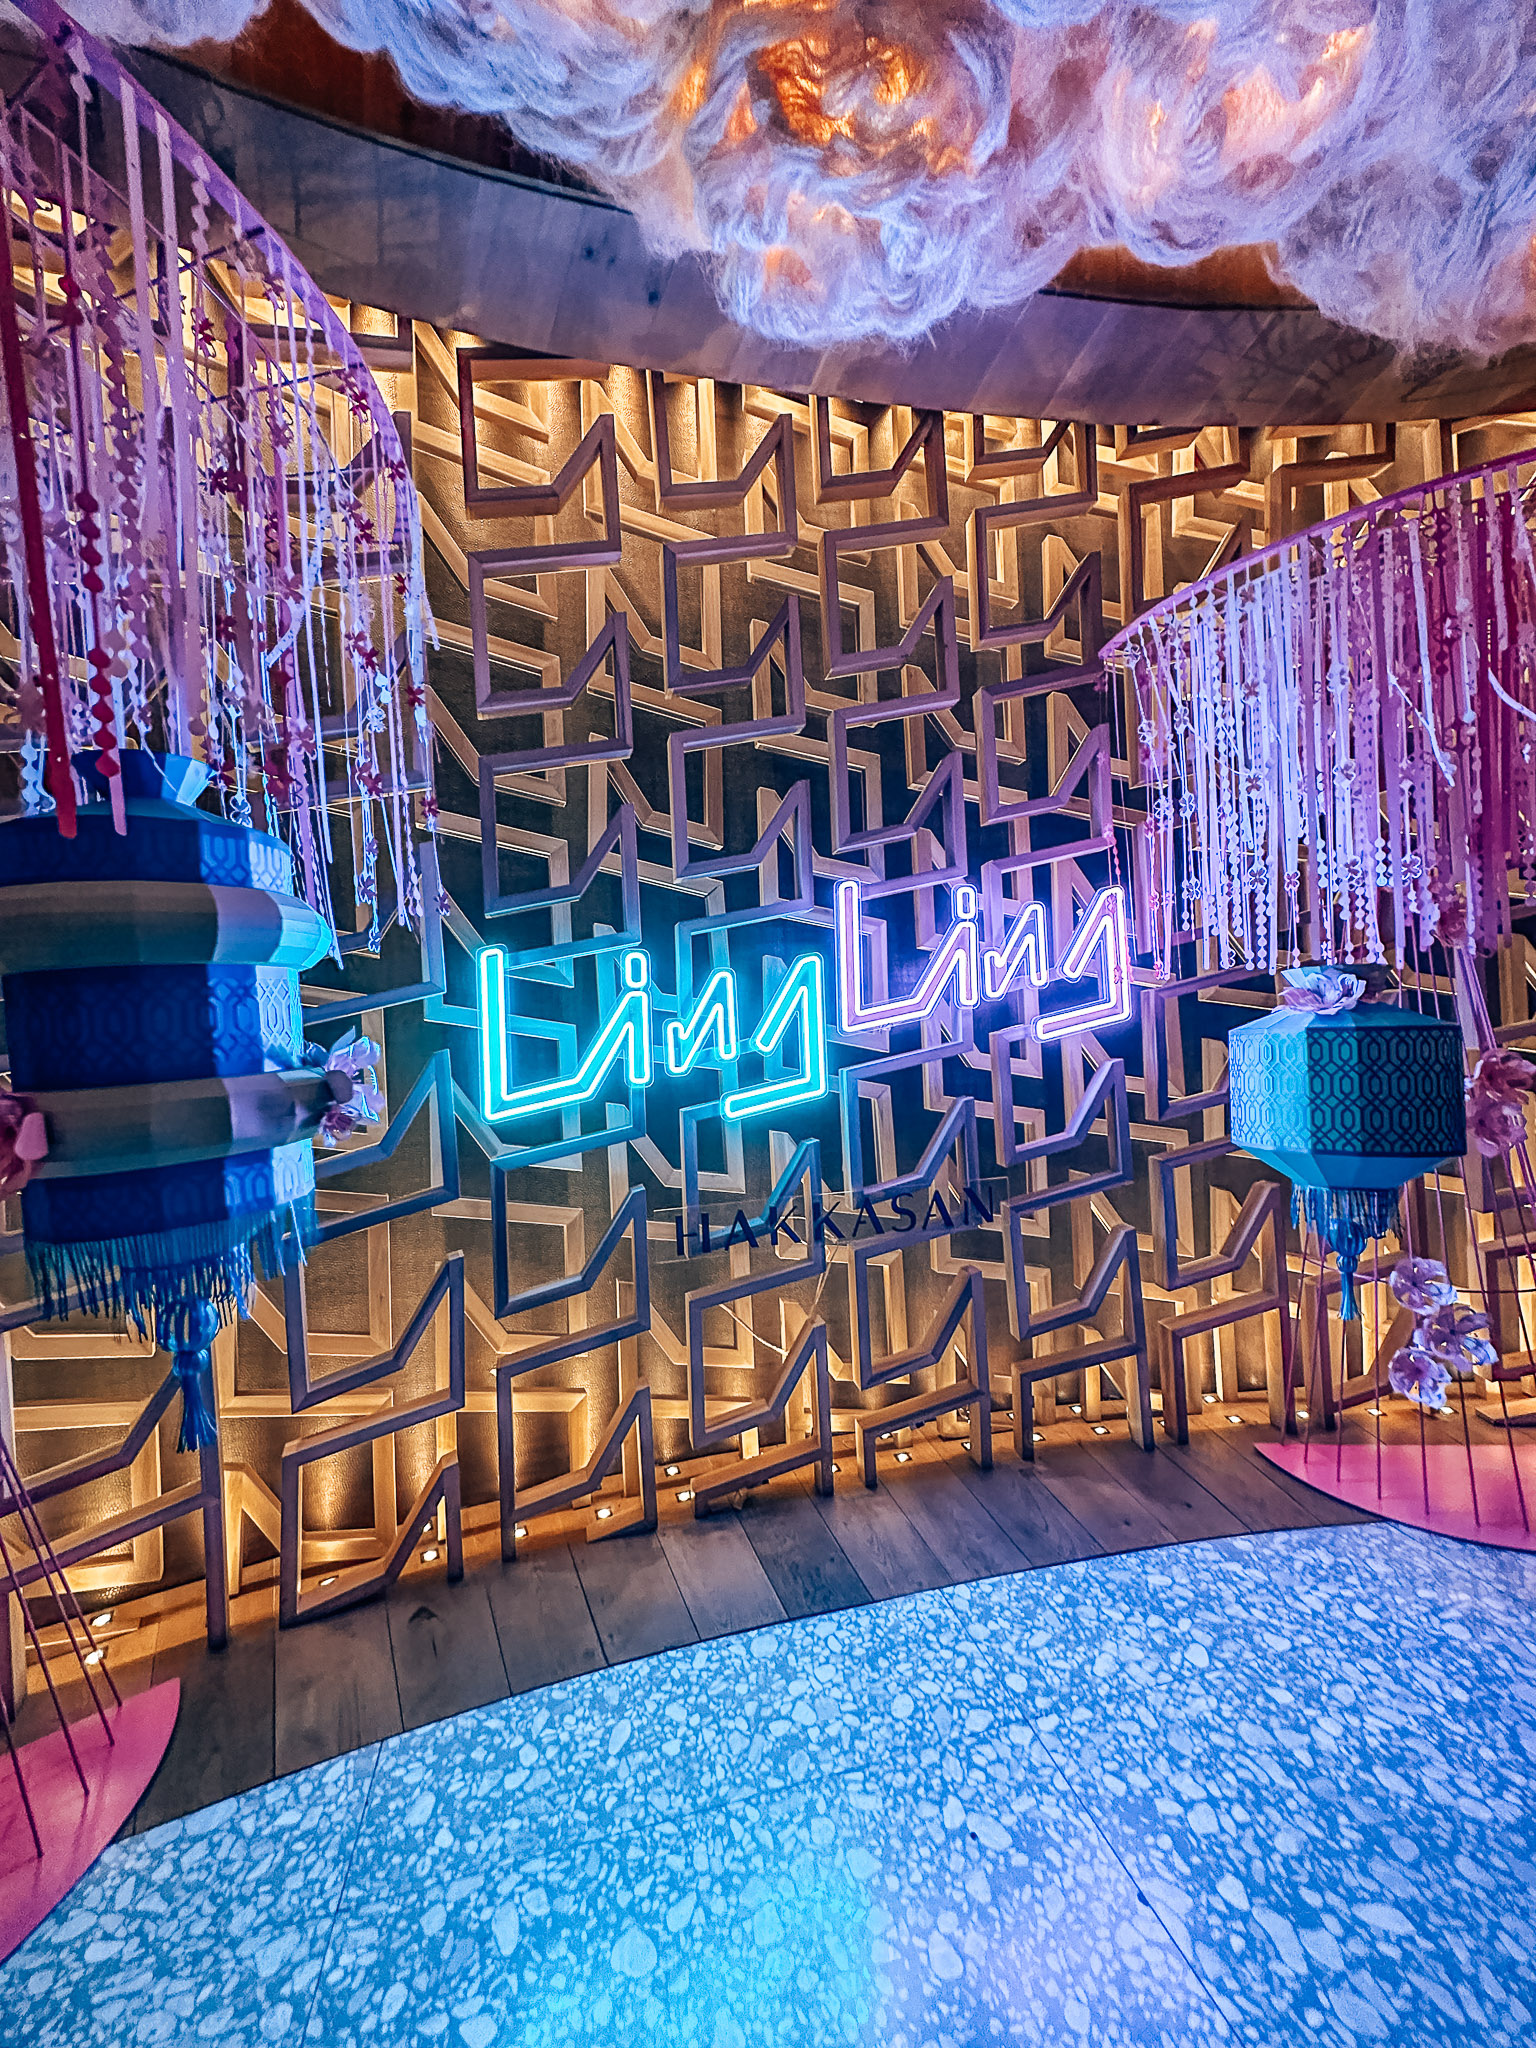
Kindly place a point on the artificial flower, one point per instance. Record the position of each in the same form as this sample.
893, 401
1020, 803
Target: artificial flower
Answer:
1420, 1377
23, 1141
1504, 1073
1495, 1123
1421, 1285
1457, 1337
1325, 991
364, 1102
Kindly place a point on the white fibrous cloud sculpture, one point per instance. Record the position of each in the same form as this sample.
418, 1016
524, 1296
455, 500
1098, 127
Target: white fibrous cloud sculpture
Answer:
864, 168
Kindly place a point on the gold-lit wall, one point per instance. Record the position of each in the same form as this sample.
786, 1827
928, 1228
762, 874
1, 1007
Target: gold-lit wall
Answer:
687, 530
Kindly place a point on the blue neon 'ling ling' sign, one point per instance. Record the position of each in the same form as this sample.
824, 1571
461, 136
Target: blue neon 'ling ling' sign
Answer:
961, 968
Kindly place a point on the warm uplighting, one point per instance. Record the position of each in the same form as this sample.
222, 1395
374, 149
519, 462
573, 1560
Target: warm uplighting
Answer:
605, 1514
101, 1620
903, 1457
1101, 1429
685, 1493
431, 1554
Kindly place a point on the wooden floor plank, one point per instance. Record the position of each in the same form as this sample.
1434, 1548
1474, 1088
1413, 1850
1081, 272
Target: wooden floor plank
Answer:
950, 1518
542, 1619
1240, 1479
447, 1657
804, 1562
1170, 1491
633, 1596
1017, 1498
224, 1741
335, 1686
131, 1674
720, 1575
1324, 1509
885, 1550
275, 1701
1110, 1512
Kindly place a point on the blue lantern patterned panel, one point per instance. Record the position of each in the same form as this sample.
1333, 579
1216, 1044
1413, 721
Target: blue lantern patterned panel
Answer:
152, 1005
1349, 1107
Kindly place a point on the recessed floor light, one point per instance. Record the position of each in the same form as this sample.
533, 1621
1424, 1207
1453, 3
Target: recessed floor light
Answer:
1039, 1436
521, 1529
426, 1528
330, 1578
101, 1620
430, 1554
1010, 1415
966, 1445
835, 1466
672, 1471
1101, 1429
1077, 1407
1301, 1414
94, 1656
1209, 1400
605, 1514
1234, 1418
1373, 1411
903, 1457
685, 1493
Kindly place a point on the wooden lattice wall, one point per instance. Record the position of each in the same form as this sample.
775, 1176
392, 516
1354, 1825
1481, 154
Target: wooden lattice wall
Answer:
704, 650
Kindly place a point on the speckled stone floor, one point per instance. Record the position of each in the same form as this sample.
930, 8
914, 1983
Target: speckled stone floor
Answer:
1268, 1790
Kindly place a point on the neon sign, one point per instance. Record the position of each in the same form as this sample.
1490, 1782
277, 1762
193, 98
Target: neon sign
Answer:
963, 963
710, 1034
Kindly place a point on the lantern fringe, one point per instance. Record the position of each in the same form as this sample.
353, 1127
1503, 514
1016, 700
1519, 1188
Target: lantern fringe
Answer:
1346, 1220
199, 1423
167, 1272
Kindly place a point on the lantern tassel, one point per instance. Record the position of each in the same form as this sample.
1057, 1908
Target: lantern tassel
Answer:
187, 1332
199, 1423
1346, 1220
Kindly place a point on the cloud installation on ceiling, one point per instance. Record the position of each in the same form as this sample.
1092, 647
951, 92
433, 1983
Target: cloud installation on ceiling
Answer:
864, 168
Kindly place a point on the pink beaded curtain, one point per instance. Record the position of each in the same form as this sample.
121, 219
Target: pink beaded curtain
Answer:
1337, 733
211, 543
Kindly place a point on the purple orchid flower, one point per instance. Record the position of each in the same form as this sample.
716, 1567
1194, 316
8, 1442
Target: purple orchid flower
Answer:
1419, 1377
1422, 1285
1457, 1337
1322, 990
1495, 1124
364, 1103
1496, 1102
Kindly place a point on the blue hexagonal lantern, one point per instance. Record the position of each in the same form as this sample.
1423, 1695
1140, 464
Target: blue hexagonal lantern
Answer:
1350, 1106
152, 1015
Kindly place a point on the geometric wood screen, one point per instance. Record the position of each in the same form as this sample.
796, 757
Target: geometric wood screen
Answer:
704, 652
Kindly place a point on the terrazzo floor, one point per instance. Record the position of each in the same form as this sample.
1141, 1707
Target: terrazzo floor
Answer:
1268, 1790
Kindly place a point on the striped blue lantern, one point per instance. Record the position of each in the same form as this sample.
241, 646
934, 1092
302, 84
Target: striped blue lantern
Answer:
152, 1014
1350, 1100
